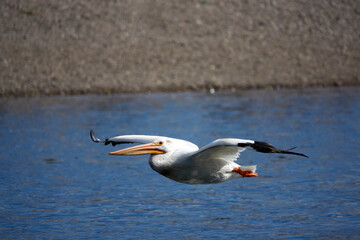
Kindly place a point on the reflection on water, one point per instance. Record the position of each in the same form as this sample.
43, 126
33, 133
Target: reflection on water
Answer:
55, 183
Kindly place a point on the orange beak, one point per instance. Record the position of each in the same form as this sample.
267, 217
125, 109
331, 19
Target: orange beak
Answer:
148, 148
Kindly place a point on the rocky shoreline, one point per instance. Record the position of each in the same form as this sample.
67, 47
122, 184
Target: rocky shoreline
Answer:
79, 47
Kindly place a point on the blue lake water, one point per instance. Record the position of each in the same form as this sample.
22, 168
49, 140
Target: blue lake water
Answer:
55, 183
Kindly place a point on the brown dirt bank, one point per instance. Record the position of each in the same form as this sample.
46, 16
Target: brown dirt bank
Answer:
65, 47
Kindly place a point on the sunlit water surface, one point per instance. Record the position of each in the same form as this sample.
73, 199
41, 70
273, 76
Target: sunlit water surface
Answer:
55, 183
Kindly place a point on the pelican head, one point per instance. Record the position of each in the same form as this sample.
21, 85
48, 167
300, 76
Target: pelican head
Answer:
163, 150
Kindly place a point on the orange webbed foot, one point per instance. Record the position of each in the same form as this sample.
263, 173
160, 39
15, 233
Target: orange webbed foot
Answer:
245, 173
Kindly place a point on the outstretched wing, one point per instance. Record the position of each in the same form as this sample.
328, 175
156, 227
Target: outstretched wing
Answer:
221, 149
125, 139
230, 148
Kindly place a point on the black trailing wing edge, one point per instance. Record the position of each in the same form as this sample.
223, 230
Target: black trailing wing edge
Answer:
106, 141
268, 148
95, 139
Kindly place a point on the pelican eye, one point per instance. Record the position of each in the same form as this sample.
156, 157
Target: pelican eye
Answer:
160, 143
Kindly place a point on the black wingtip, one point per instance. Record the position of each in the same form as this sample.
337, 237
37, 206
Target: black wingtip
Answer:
92, 135
268, 148
294, 153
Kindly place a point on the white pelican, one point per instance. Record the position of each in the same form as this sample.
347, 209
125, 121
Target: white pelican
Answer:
184, 162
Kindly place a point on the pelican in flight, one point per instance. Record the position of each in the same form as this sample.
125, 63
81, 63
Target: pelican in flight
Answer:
184, 162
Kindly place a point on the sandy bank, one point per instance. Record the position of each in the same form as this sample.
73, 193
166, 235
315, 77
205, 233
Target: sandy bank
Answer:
65, 47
